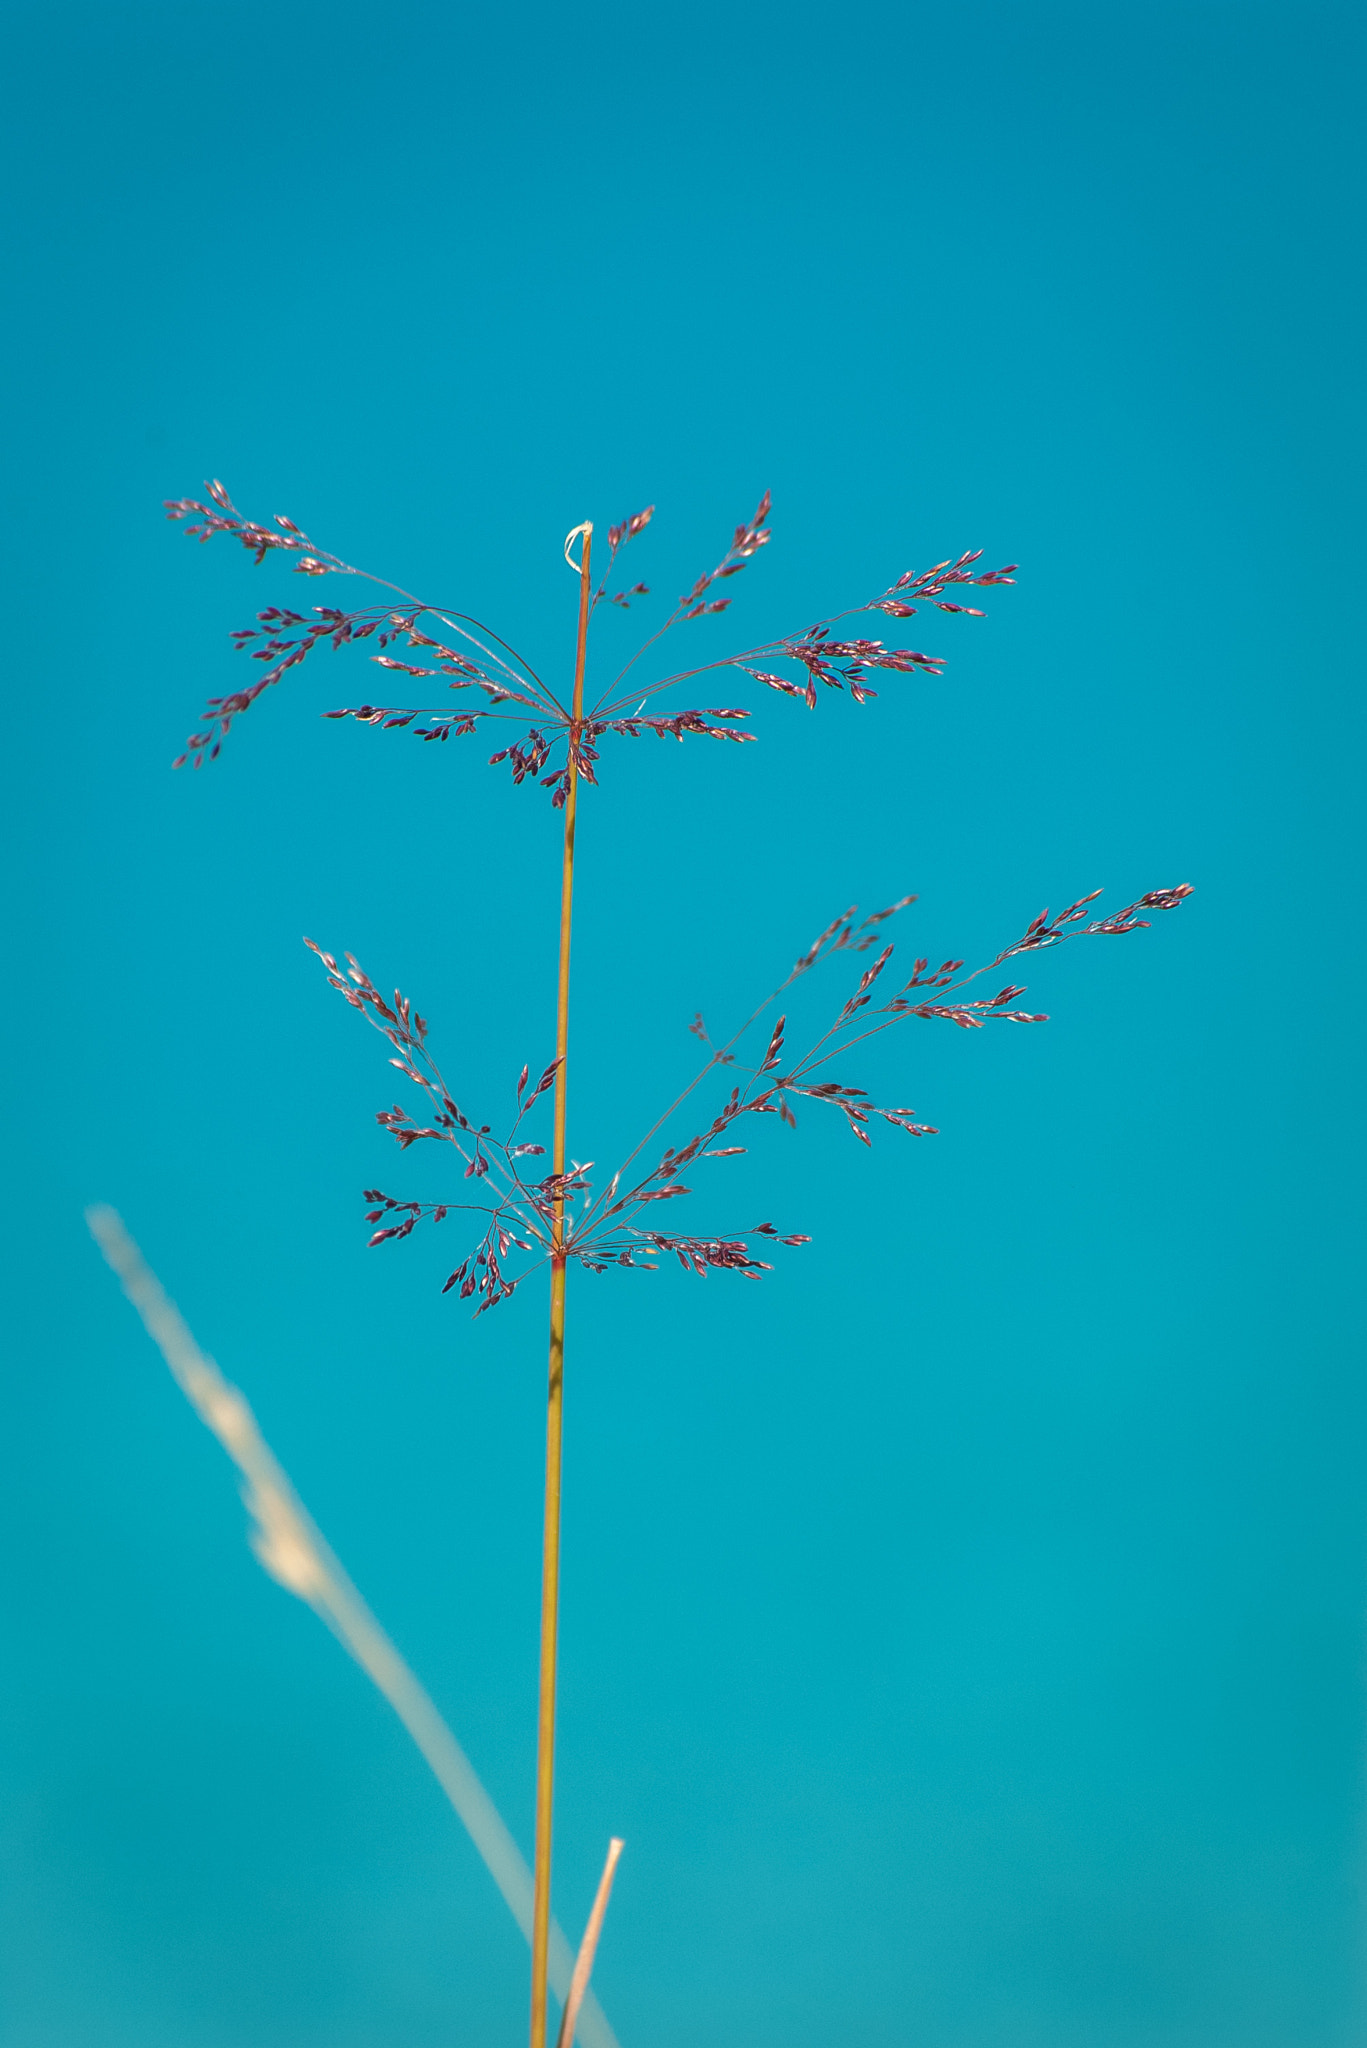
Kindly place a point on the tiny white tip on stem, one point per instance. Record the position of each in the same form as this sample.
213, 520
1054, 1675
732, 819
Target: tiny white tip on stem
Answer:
570, 539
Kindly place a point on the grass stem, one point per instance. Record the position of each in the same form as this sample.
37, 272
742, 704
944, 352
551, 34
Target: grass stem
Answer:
550, 1555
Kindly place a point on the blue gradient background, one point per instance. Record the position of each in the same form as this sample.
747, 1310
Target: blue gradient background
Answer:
964, 1627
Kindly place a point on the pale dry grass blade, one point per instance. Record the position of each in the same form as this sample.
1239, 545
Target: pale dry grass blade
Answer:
293, 1551
588, 1948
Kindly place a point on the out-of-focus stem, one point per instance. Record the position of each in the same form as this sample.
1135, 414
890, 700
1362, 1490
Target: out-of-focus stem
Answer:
550, 1555
588, 1948
290, 1548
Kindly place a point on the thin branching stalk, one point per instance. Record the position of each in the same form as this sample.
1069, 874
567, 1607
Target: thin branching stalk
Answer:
555, 1398
564, 1217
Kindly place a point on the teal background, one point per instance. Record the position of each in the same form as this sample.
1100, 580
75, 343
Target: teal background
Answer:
963, 1627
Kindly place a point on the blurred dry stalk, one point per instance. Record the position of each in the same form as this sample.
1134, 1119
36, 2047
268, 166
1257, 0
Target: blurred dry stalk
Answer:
588, 1948
289, 1546
558, 1218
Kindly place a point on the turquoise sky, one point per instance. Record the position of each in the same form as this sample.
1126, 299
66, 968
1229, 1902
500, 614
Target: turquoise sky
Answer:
964, 1626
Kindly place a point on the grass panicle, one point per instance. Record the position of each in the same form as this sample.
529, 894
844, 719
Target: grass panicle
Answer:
525, 1218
